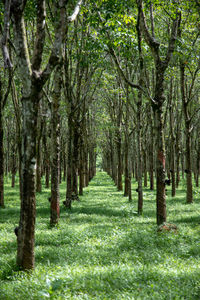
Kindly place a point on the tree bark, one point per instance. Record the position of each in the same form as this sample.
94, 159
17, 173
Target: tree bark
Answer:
38, 154
1, 150
69, 163
188, 130
151, 151
55, 148
160, 168
172, 146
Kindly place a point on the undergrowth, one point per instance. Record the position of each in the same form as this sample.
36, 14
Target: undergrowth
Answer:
102, 249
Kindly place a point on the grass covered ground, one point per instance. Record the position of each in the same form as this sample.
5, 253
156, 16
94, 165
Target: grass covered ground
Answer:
103, 250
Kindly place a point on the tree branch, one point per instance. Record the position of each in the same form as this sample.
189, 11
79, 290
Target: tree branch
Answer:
173, 38
75, 12
4, 40
121, 72
11, 74
40, 35
150, 40
59, 40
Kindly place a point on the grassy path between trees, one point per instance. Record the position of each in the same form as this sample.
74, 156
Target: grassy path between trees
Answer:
103, 250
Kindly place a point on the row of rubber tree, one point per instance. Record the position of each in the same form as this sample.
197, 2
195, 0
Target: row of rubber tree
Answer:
122, 76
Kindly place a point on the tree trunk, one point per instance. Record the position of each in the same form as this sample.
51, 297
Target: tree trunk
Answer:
26, 232
160, 168
69, 164
81, 167
198, 162
188, 167
119, 161
1, 151
188, 130
18, 131
139, 155
126, 167
46, 156
75, 161
55, 149
86, 171
172, 146
14, 166
145, 167
38, 153
177, 147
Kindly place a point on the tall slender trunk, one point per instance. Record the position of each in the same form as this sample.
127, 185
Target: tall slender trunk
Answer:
188, 130
188, 166
1, 151
55, 148
139, 154
145, 165
151, 147
172, 146
172, 170
18, 131
14, 166
38, 155
26, 232
92, 161
81, 166
126, 167
86, 169
197, 162
126, 148
46, 157
119, 161
75, 162
177, 147
160, 168
69, 163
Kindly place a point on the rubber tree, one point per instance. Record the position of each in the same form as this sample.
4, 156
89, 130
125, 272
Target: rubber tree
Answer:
189, 115
33, 80
158, 101
3, 97
55, 146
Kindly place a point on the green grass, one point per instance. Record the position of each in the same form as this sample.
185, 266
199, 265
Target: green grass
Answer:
102, 249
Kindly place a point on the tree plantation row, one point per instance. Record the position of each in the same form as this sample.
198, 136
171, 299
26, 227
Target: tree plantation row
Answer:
117, 80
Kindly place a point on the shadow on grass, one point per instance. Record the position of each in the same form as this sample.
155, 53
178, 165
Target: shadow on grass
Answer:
193, 220
9, 214
144, 283
100, 211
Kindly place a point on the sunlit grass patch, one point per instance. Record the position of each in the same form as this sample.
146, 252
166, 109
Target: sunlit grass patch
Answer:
102, 249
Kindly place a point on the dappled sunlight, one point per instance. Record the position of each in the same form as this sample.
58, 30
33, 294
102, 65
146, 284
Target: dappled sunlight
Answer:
102, 249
